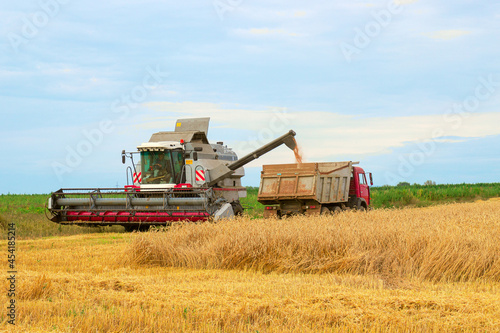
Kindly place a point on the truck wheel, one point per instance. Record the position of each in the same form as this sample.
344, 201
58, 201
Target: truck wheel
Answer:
360, 206
336, 210
325, 211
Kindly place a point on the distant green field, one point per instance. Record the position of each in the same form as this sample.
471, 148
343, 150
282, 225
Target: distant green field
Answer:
250, 203
426, 195
28, 211
402, 196
382, 197
23, 203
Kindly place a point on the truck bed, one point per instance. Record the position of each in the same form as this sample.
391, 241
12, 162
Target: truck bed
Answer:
323, 182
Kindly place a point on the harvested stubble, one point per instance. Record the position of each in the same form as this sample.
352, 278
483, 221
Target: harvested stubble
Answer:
457, 242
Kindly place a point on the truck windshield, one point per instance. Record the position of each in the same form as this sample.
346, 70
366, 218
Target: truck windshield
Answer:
162, 167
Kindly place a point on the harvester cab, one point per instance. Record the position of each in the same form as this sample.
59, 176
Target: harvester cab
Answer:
183, 158
180, 176
162, 163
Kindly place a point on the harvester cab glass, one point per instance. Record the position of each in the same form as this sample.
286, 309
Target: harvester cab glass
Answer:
162, 166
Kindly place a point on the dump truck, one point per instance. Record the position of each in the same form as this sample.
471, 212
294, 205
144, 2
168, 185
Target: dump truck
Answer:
180, 176
313, 188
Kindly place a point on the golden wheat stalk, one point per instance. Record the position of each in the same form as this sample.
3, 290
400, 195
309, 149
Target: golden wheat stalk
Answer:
437, 244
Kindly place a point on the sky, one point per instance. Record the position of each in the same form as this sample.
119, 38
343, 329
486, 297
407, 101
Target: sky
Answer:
409, 88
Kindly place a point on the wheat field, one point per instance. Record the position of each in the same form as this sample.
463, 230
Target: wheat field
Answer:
412, 270
439, 244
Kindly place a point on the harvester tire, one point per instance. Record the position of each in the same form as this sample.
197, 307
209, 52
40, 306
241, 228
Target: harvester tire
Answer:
144, 227
237, 208
136, 227
129, 228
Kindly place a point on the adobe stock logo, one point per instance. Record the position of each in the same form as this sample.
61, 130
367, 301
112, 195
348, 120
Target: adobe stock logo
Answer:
454, 118
122, 108
363, 37
223, 6
35, 22
278, 123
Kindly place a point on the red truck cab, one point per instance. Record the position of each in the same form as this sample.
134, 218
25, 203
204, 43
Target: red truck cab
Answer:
359, 190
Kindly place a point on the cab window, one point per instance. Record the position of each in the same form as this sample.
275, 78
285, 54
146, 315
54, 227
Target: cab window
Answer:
156, 167
362, 179
177, 164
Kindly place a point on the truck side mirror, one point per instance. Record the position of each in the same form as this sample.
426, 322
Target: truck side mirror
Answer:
371, 178
123, 156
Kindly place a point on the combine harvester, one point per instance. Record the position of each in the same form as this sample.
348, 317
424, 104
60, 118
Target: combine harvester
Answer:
180, 176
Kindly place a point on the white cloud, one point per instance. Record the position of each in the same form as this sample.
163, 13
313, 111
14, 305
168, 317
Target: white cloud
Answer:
404, 2
448, 140
325, 134
300, 13
256, 32
266, 31
448, 34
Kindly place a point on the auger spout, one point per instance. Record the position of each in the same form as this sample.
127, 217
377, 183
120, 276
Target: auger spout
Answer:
223, 171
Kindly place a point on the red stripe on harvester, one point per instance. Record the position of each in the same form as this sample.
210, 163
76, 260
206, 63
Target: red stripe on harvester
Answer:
200, 175
137, 217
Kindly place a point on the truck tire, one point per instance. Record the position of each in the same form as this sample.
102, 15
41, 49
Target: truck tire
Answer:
361, 206
336, 210
325, 211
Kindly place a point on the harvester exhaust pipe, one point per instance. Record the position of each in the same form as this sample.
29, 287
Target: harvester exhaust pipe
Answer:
222, 171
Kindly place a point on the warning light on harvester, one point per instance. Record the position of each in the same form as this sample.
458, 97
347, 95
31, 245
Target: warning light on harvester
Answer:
183, 185
182, 141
